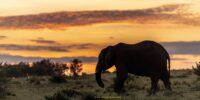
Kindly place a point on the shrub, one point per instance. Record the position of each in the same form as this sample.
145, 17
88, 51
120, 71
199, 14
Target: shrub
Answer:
3, 86
84, 74
63, 95
44, 67
58, 79
34, 80
197, 69
76, 67
15, 70
68, 94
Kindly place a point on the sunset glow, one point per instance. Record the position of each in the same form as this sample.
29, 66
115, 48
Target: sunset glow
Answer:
81, 28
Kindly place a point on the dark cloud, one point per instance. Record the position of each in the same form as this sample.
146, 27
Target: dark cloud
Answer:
55, 48
174, 13
43, 41
84, 46
2, 37
86, 59
32, 48
16, 59
111, 37
181, 47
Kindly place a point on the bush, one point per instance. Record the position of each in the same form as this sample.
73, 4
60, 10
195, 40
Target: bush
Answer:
76, 67
44, 67
84, 74
34, 80
15, 70
197, 69
58, 79
3, 86
68, 94
63, 95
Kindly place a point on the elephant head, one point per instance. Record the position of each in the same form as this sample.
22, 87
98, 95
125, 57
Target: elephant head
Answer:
105, 61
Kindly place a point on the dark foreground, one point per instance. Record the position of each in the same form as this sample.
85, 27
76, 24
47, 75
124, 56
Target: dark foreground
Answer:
185, 85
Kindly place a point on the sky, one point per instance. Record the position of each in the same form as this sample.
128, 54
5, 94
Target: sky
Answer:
62, 30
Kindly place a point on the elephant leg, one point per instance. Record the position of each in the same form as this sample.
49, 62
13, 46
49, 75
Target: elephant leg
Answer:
154, 83
165, 79
119, 82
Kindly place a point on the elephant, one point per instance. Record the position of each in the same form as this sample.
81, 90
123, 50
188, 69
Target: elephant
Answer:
146, 58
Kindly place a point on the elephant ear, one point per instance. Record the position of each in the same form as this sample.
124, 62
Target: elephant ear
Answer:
109, 56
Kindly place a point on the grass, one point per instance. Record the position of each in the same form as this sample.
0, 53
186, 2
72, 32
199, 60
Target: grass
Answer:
185, 85
3, 86
68, 94
58, 79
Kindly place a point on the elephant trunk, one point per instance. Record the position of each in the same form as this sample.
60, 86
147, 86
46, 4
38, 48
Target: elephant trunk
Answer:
98, 76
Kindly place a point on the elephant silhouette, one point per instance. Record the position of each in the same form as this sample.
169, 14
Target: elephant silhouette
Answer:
146, 58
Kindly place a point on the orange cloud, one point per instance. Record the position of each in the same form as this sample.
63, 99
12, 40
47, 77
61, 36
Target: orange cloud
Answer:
60, 20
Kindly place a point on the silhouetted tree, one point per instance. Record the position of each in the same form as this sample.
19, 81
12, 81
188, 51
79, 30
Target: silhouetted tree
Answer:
16, 70
43, 67
197, 69
60, 69
25, 68
40, 68
76, 67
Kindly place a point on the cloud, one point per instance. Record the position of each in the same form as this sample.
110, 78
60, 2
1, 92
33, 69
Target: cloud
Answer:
54, 48
32, 48
189, 62
174, 13
111, 37
16, 59
85, 59
178, 59
2, 37
83, 46
182, 47
43, 41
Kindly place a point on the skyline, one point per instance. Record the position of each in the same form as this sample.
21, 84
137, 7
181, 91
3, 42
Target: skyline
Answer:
31, 30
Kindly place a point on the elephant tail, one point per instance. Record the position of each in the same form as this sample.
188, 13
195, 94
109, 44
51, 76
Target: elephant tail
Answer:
169, 65
168, 59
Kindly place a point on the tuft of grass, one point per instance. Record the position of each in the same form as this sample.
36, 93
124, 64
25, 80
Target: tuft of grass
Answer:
68, 94
34, 80
196, 86
58, 79
3, 86
63, 95
133, 82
